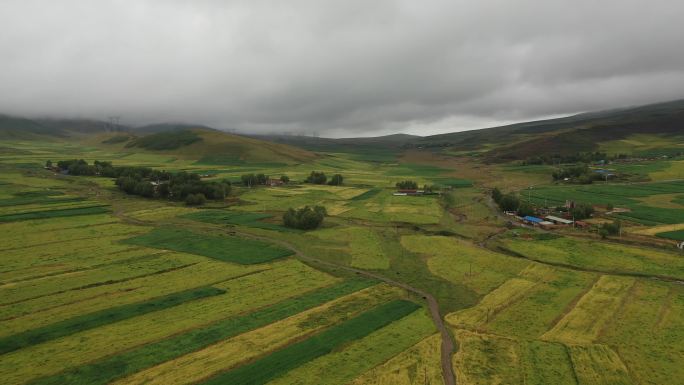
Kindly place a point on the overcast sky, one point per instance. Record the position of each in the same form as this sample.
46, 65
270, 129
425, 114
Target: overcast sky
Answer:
337, 68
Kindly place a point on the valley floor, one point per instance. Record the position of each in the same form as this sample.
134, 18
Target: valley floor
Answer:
99, 287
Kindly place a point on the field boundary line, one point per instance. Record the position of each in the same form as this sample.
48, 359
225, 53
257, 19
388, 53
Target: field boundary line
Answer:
104, 283
448, 343
665, 278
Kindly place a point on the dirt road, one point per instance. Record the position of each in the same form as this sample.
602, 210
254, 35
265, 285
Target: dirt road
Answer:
448, 345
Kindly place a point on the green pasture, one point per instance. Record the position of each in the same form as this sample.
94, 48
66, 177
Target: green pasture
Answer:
224, 248
222, 217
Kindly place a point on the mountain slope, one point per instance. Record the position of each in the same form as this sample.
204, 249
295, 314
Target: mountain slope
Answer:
209, 146
568, 135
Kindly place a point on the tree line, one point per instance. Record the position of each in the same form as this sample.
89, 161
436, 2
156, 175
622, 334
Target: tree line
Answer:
150, 183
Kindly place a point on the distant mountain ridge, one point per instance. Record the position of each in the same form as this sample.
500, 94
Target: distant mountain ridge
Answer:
567, 135
562, 136
194, 141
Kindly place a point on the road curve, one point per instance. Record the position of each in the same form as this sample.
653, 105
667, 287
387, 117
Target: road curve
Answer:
448, 345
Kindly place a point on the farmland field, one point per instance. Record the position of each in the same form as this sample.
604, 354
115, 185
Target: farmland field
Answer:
102, 287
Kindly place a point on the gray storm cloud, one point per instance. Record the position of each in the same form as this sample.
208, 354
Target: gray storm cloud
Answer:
338, 68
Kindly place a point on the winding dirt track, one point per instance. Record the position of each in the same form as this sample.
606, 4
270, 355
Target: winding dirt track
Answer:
448, 345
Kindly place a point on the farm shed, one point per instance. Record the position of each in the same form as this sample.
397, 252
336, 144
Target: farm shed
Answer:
533, 220
410, 192
558, 220
274, 182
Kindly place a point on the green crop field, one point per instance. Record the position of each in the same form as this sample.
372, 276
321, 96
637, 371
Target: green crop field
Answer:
102, 287
295, 355
229, 249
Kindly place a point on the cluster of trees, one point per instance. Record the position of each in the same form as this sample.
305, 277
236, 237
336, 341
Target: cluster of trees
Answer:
305, 218
81, 167
581, 211
181, 186
260, 179
407, 185
511, 202
317, 177
577, 174
150, 183
607, 229
253, 179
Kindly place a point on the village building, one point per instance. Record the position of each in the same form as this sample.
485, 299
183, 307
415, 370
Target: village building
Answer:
532, 220
274, 182
558, 221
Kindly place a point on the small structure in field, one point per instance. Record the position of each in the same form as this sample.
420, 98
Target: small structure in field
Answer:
533, 220
558, 220
274, 182
546, 225
405, 192
582, 224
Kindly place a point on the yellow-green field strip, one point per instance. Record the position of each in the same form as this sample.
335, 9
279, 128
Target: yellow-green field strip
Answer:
113, 367
297, 354
343, 365
44, 214
23, 293
103, 317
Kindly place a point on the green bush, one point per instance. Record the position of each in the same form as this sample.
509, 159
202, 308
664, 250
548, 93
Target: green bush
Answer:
316, 178
407, 185
509, 202
336, 180
195, 199
582, 211
306, 218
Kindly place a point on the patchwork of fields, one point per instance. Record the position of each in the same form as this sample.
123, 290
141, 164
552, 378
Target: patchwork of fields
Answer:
97, 287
